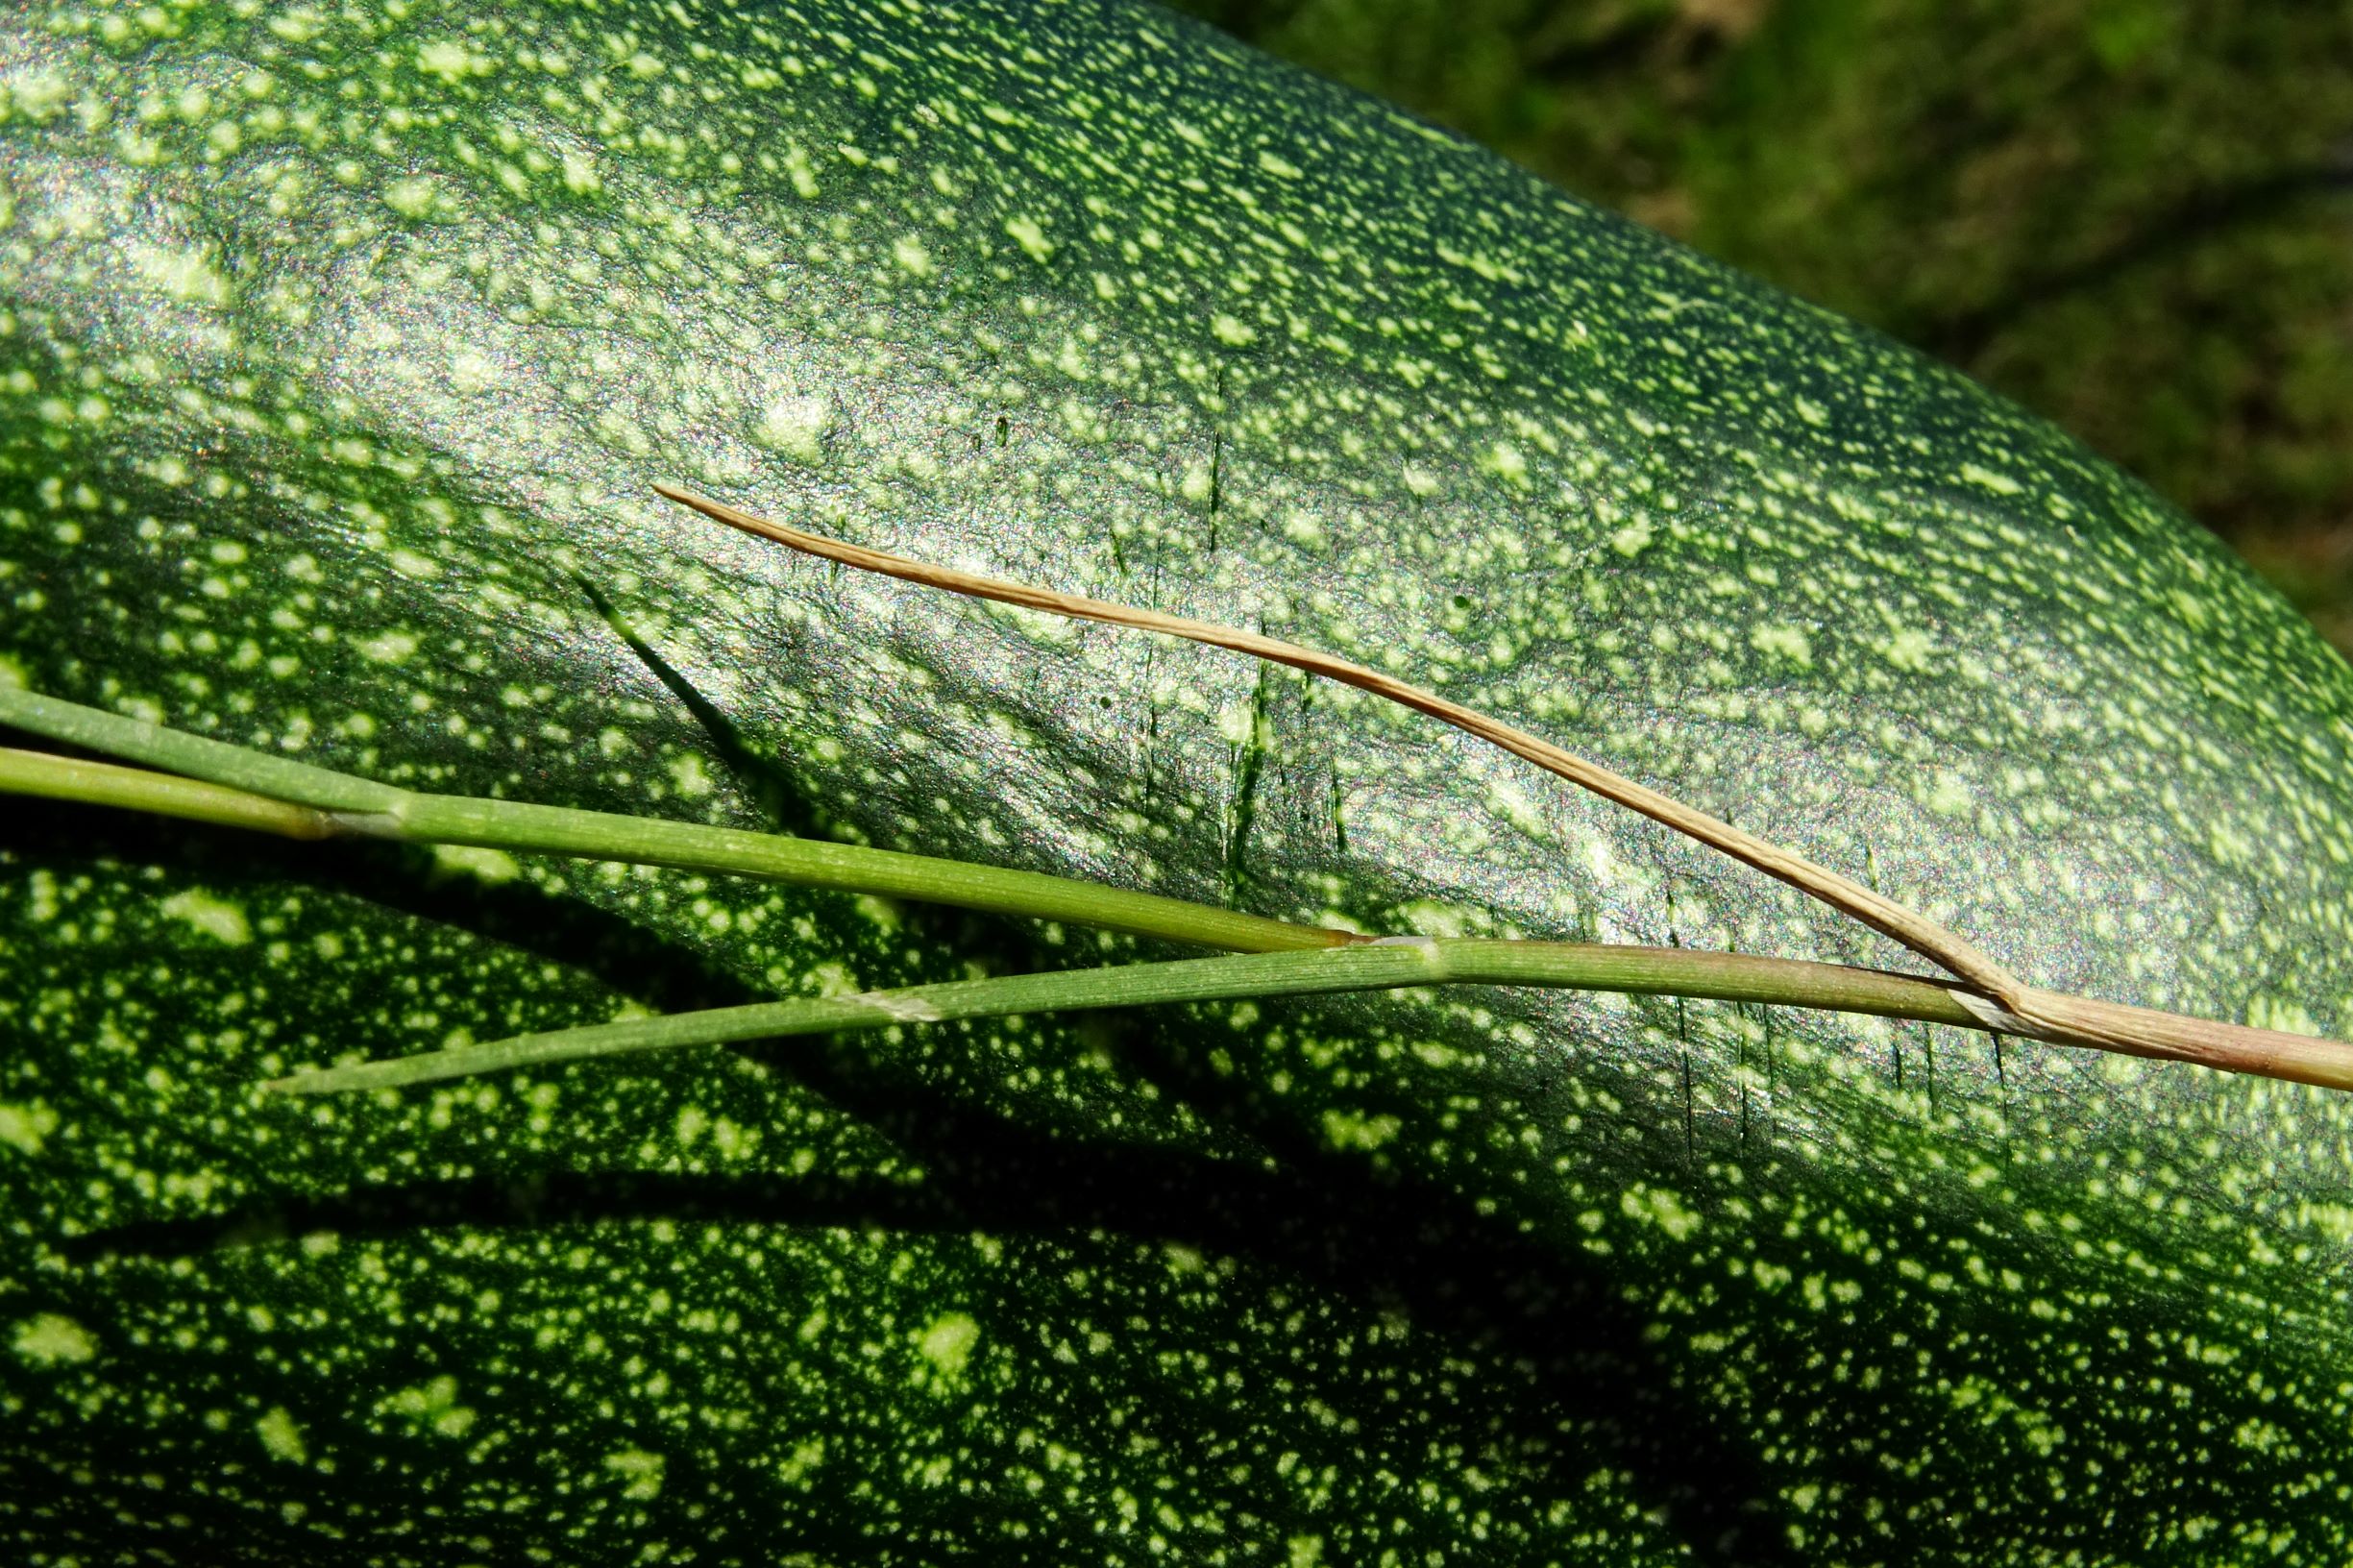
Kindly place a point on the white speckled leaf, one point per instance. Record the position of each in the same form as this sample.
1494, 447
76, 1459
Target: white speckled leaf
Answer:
339, 348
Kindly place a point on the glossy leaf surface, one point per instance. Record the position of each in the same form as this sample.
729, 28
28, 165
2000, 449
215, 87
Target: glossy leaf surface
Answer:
340, 349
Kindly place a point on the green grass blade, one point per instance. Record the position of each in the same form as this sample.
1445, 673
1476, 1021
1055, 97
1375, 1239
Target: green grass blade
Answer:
1383, 965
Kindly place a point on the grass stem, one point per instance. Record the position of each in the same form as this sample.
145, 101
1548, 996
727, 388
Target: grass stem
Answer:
240, 788
1383, 965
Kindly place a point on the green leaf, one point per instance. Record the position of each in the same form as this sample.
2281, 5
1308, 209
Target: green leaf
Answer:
340, 351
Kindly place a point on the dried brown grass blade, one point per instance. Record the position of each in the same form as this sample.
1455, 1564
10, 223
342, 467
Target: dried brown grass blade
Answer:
1921, 935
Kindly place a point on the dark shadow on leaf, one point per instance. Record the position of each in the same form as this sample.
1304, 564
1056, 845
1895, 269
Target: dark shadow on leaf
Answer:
779, 799
1400, 1245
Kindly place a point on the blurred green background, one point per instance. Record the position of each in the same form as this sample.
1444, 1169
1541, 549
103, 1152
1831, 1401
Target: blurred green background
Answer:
2135, 217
